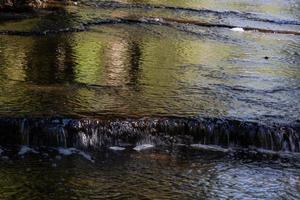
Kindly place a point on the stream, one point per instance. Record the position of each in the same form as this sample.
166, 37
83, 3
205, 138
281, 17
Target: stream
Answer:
151, 100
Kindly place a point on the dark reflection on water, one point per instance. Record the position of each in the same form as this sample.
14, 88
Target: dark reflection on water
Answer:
54, 63
50, 60
151, 174
135, 59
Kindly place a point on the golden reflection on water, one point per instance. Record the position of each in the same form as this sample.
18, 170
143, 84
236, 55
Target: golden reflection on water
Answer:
139, 69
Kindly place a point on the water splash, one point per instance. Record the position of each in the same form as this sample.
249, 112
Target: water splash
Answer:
143, 147
25, 149
115, 148
71, 151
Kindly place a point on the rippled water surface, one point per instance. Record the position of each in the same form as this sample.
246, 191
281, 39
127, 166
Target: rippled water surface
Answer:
158, 58
147, 68
149, 174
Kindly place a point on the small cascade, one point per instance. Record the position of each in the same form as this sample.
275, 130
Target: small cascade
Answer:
24, 130
98, 133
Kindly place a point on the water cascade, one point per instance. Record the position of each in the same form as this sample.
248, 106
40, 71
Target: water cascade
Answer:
97, 133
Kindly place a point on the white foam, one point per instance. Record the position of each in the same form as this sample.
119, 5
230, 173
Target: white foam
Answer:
116, 148
70, 151
209, 147
66, 151
26, 149
237, 29
143, 147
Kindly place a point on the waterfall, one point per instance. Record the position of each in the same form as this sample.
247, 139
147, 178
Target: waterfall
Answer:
98, 133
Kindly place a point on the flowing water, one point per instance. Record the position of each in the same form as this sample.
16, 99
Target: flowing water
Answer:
150, 174
112, 77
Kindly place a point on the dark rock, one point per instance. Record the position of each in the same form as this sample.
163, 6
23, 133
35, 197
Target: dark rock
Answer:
21, 5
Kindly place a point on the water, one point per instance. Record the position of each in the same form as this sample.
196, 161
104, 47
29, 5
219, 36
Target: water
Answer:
97, 133
138, 69
213, 112
149, 174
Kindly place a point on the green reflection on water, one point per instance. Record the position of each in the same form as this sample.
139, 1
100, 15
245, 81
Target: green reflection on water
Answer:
140, 69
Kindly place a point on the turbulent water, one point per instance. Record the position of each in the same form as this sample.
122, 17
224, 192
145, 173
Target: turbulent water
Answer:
151, 100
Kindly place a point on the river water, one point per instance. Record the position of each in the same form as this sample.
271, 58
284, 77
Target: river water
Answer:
150, 174
154, 70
